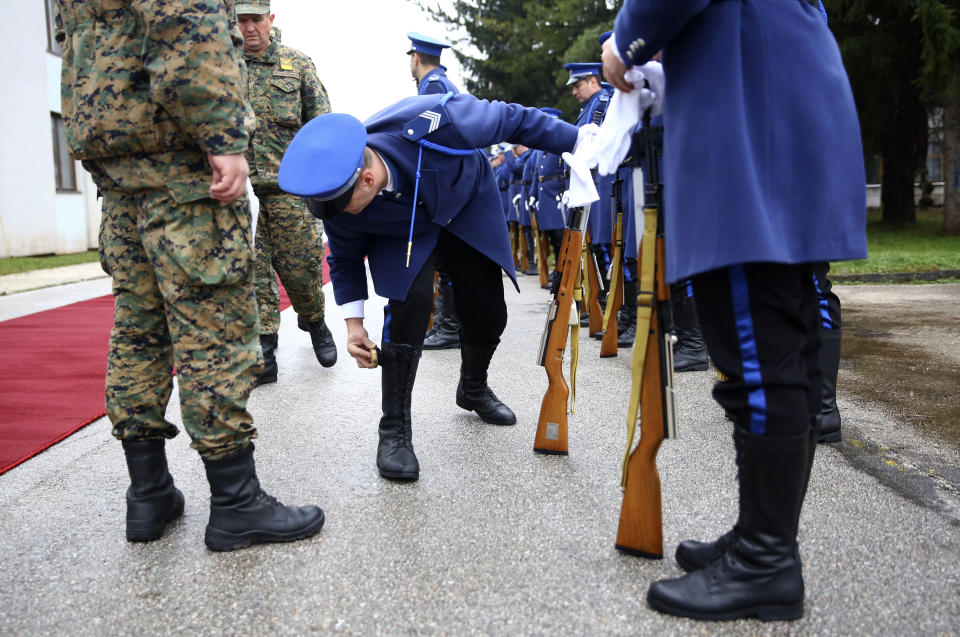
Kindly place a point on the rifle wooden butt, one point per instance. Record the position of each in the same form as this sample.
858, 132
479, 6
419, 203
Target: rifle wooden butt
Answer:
608, 345
552, 426
641, 519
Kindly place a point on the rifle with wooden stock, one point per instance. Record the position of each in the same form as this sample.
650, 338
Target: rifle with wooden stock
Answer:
562, 316
611, 330
640, 530
592, 285
542, 269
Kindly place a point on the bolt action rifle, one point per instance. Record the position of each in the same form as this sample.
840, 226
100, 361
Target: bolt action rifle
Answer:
640, 530
562, 314
592, 286
608, 345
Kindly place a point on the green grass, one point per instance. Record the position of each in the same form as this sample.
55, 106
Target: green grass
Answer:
918, 248
13, 265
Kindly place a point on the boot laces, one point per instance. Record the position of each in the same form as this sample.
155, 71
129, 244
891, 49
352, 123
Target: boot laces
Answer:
269, 499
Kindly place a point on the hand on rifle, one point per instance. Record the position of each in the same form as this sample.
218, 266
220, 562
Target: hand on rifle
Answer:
359, 344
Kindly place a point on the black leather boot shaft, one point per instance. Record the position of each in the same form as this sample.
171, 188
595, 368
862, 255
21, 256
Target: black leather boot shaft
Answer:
759, 575
627, 321
473, 393
152, 499
268, 343
396, 459
689, 352
322, 340
830, 341
241, 513
446, 333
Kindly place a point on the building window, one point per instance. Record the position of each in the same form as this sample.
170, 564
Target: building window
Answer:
66, 175
52, 45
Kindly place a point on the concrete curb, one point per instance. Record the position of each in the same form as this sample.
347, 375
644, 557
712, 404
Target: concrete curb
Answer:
894, 277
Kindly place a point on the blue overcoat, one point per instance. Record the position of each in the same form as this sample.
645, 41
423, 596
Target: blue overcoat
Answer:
762, 152
526, 186
548, 180
503, 185
436, 82
456, 193
600, 222
514, 169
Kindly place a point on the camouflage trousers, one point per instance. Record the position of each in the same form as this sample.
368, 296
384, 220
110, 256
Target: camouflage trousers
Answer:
182, 269
289, 242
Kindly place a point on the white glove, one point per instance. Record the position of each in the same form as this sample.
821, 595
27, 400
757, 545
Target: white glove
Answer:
530, 202
516, 199
626, 109
582, 189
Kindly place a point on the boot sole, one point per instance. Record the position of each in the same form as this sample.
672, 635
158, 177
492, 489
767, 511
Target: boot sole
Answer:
693, 368
265, 381
399, 475
435, 347
217, 540
148, 531
765, 613
833, 436
502, 423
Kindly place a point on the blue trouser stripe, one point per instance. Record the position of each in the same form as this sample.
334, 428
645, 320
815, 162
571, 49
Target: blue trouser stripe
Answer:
825, 321
386, 323
750, 361
689, 287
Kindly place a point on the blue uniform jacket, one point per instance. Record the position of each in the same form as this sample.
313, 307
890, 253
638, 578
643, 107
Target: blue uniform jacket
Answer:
436, 82
458, 193
526, 186
514, 169
548, 180
763, 159
600, 223
503, 185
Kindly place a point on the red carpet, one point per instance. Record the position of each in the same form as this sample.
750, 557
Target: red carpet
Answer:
51, 380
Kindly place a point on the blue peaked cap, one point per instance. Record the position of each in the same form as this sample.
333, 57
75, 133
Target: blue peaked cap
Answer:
549, 110
324, 160
580, 70
604, 37
425, 44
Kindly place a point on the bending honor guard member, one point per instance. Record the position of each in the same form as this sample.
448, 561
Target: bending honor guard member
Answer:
745, 205
403, 188
153, 104
285, 93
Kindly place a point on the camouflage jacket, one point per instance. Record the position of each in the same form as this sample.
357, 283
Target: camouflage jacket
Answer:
148, 76
285, 94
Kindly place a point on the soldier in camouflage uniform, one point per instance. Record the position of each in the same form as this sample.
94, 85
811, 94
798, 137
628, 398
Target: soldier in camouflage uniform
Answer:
285, 94
153, 100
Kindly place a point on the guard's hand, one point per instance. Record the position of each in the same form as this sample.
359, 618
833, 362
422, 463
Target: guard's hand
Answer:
359, 344
613, 67
229, 177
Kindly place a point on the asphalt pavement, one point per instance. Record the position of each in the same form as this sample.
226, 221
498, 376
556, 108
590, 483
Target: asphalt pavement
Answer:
493, 539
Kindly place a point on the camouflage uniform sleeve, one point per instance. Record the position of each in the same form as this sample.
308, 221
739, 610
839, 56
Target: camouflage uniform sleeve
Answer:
196, 72
313, 95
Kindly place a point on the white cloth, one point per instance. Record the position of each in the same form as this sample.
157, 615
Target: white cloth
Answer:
613, 141
582, 190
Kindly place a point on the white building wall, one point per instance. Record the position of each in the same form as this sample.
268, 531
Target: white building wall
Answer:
34, 217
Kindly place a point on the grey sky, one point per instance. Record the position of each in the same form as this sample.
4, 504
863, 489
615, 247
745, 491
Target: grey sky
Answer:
360, 47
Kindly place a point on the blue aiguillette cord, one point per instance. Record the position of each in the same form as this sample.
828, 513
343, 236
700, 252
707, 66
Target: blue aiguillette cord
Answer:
457, 152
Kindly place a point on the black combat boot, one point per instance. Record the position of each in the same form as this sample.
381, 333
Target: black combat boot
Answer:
689, 352
447, 333
269, 344
759, 574
241, 513
829, 365
627, 319
323, 346
473, 394
693, 555
395, 457
152, 500
531, 254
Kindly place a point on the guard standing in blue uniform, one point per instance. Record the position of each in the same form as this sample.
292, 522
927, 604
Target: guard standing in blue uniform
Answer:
745, 206
548, 180
431, 79
503, 179
526, 224
584, 83
399, 191
514, 168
